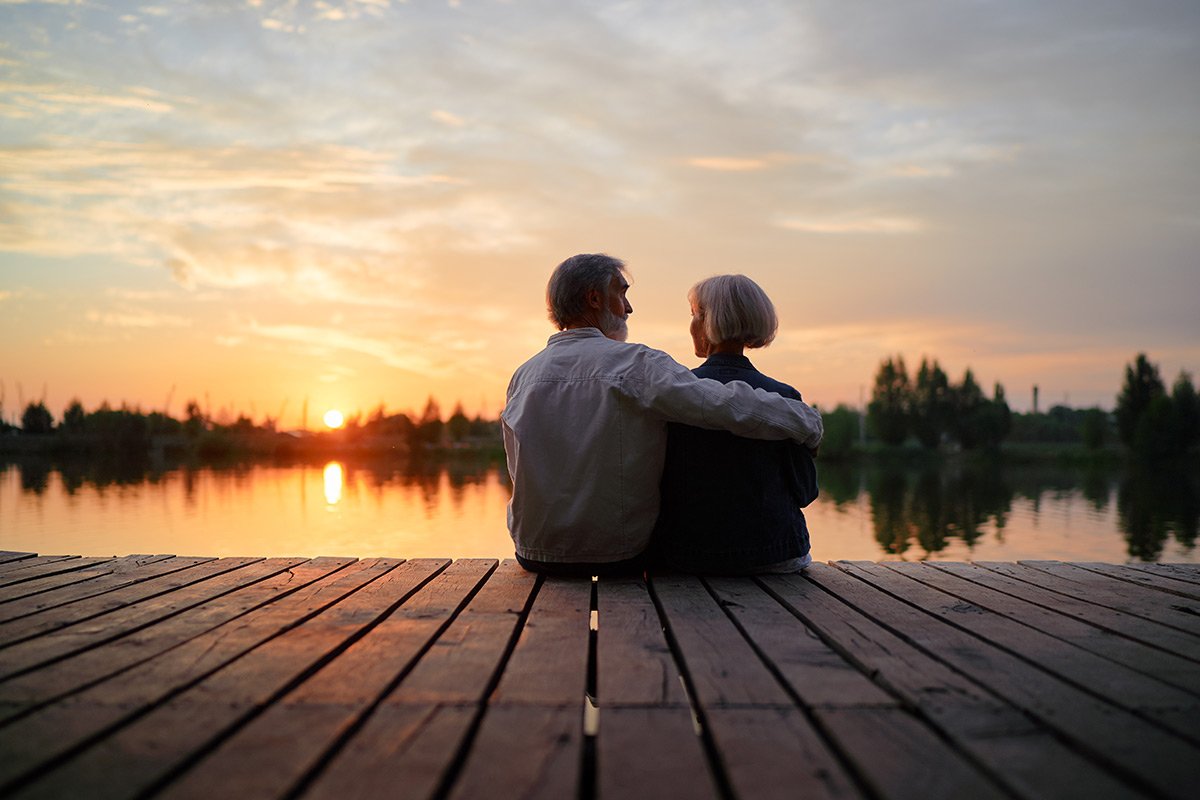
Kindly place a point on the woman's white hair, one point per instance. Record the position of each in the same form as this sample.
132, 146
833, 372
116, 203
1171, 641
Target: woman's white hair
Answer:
734, 308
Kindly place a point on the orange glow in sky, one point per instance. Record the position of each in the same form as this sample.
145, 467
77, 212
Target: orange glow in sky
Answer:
272, 207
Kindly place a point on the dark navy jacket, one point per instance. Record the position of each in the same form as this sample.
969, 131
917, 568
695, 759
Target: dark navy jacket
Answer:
731, 504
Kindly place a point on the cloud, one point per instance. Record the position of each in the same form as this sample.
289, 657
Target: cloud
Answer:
853, 224
326, 340
447, 118
726, 164
30, 99
137, 319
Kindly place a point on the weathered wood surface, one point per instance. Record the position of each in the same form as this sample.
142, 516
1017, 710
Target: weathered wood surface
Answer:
160, 676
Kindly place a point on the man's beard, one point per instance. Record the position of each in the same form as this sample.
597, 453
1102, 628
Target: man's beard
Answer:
612, 326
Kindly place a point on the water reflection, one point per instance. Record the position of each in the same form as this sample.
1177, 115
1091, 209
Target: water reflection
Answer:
986, 509
1155, 507
956, 510
928, 506
334, 483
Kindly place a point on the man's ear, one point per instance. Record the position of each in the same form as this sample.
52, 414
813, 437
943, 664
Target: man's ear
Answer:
595, 299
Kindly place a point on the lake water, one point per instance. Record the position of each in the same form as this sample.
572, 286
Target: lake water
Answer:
873, 512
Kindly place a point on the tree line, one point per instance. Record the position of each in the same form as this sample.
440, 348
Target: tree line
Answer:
932, 411
926, 408
125, 431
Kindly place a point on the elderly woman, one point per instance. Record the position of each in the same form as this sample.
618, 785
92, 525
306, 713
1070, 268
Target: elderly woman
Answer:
732, 505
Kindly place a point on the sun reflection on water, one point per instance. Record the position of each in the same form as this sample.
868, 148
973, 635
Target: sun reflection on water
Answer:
335, 481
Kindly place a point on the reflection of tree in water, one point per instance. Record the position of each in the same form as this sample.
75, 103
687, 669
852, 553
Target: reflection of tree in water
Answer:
934, 504
35, 475
840, 482
888, 490
98, 472
1097, 484
1156, 502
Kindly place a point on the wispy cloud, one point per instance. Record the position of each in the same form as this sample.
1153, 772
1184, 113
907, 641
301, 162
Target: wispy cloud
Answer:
28, 99
727, 164
853, 224
447, 118
323, 340
137, 319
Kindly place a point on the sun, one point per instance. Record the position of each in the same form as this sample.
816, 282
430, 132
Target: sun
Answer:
334, 419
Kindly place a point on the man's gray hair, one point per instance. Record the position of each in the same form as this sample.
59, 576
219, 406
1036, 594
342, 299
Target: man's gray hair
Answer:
735, 309
566, 293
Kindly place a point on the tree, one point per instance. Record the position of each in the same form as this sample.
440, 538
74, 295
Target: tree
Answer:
887, 413
993, 420
74, 418
1142, 385
458, 427
1094, 428
1155, 433
195, 424
841, 432
37, 419
969, 403
1187, 412
931, 404
428, 430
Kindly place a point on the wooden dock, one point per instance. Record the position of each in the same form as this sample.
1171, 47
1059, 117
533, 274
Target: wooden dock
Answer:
163, 676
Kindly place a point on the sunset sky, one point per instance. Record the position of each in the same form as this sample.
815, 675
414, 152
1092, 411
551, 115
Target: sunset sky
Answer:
260, 203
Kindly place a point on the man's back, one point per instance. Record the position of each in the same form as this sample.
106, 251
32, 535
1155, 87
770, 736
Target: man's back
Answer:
584, 455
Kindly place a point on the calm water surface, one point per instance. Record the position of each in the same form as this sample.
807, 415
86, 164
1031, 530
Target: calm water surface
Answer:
954, 512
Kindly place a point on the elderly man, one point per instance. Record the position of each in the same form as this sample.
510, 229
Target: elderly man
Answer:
585, 427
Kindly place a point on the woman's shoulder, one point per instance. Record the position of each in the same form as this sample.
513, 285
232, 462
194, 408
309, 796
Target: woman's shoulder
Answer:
779, 387
752, 376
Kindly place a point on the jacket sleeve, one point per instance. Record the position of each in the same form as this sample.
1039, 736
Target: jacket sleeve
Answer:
670, 390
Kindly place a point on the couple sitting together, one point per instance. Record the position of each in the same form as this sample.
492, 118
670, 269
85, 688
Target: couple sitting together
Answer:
622, 459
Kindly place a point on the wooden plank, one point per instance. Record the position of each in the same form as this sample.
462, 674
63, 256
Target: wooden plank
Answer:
95, 568
646, 741
314, 716
634, 665
418, 729
25, 693
1139, 751
402, 745
534, 716
223, 576
69, 726
100, 605
1082, 584
1016, 751
462, 665
1146, 646
766, 744
816, 673
777, 753
1047, 639
107, 578
647, 751
1162, 583
525, 751
549, 664
1182, 572
43, 566
9, 556
135, 759
721, 667
911, 762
